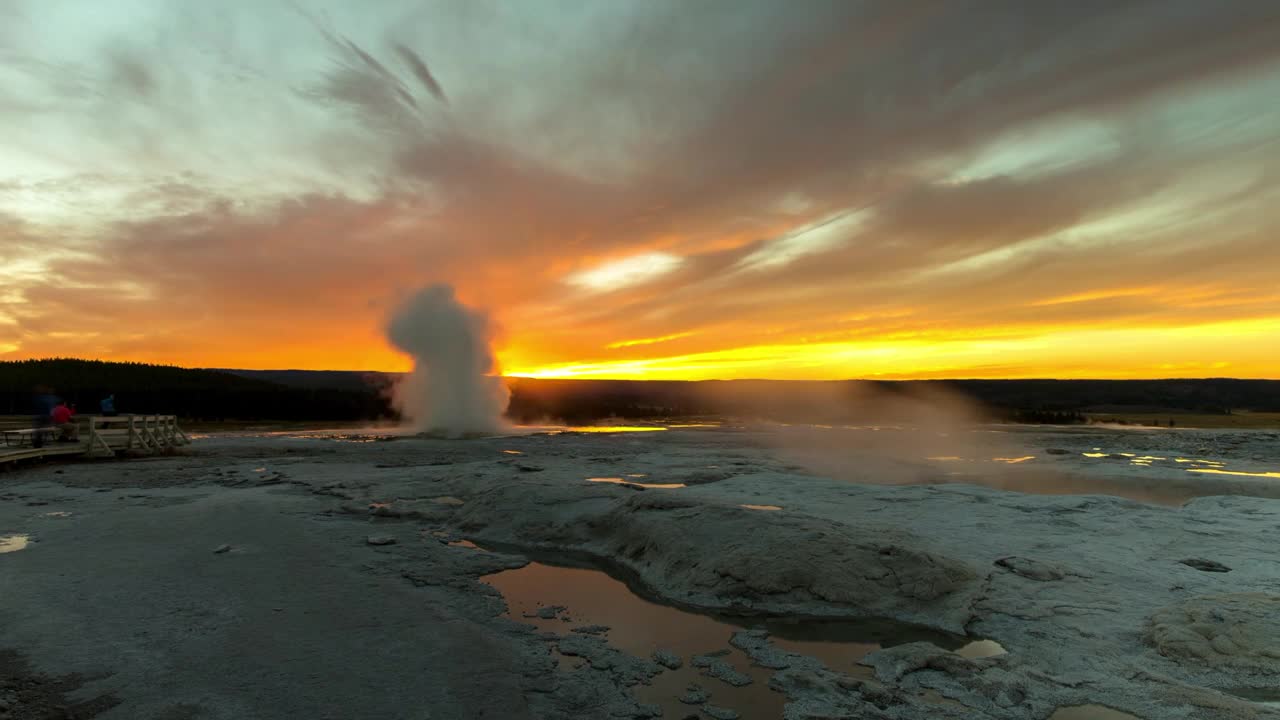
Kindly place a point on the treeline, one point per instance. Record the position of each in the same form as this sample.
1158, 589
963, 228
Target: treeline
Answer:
195, 394
341, 395
1208, 396
1030, 401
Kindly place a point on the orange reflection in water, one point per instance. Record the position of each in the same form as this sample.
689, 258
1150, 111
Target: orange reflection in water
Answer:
613, 428
620, 481
1014, 460
1215, 471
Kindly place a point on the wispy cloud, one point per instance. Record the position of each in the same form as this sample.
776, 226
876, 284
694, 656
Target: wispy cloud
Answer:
702, 179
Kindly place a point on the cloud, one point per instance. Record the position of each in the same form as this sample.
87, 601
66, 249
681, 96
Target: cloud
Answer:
718, 177
420, 71
627, 271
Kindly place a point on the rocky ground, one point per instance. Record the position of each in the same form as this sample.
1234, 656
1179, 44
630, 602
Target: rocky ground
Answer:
314, 576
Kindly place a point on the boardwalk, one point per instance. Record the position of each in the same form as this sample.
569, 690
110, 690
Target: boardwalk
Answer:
98, 437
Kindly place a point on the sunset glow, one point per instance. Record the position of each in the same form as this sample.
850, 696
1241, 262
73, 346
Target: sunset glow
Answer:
904, 190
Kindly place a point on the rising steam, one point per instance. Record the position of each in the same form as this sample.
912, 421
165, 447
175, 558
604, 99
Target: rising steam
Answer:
454, 387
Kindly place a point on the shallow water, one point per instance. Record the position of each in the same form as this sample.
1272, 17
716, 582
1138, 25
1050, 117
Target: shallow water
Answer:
639, 626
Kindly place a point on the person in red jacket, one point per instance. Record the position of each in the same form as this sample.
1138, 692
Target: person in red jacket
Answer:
62, 419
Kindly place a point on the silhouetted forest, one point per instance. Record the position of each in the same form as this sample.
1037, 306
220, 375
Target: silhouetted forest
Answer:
341, 395
195, 394
1033, 401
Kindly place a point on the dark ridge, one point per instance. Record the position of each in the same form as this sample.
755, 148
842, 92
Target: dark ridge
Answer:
189, 393
363, 395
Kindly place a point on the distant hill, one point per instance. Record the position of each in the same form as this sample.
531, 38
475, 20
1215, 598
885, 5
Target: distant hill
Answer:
190, 393
820, 401
359, 395
1019, 400
351, 380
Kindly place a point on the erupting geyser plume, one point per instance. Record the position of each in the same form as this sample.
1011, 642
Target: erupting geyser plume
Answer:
454, 387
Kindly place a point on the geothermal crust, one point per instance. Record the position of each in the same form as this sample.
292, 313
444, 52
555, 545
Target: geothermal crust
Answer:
278, 577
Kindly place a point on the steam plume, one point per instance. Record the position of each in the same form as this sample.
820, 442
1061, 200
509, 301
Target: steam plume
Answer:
454, 387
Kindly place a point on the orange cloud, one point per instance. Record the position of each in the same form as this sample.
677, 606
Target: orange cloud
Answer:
652, 203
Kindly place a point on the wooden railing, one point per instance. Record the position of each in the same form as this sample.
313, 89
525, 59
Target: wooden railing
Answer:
98, 436
144, 433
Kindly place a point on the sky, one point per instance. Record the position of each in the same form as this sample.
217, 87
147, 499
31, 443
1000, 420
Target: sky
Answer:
661, 189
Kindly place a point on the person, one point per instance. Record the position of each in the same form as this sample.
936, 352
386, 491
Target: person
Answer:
108, 405
62, 419
43, 412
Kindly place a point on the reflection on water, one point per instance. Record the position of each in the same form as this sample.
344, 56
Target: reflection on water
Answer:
760, 507
621, 481
639, 626
14, 543
1216, 471
1090, 712
611, 429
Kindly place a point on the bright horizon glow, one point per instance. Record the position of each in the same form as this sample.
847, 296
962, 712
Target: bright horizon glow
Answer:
955, 359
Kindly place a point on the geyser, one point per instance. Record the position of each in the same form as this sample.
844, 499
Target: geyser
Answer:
454, 387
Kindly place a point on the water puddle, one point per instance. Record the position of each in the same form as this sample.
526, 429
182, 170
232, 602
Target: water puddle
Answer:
56, 514
14, 543
562, 599
623, 481
760, 507
1090, 712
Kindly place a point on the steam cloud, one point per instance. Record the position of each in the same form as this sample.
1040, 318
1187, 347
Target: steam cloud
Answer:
454, 387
